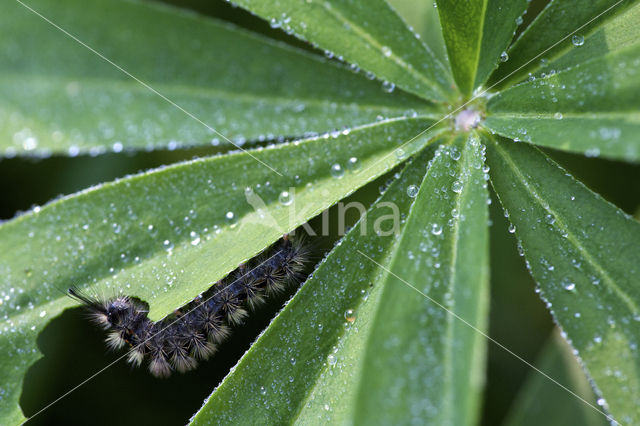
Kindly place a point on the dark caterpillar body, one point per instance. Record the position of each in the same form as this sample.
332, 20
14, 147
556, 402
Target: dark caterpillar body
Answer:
191, 333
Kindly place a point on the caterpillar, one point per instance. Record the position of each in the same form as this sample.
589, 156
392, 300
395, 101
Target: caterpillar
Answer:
177, 342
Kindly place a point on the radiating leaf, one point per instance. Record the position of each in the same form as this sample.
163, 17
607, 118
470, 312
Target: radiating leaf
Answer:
476, 33
167, 235
335, 364
584, 254
616, 33
443, 254
550, 35
366, 33
592, 108
541, 398
423, 17
57, 96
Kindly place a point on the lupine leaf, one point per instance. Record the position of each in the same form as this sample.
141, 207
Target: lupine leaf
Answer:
584, 253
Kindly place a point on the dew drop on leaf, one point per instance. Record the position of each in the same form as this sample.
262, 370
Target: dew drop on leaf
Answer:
412, 191
285, 198
337, 171
577, 40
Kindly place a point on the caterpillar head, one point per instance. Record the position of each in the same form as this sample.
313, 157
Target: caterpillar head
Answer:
108, 314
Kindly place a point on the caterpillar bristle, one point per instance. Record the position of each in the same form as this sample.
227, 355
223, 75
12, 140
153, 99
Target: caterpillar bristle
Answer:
192, 332
135, 356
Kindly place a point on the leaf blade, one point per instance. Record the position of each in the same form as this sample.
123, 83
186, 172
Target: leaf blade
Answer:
476, 33
539, 396
550, 35
368, 34
583, 262
590, 108
446, 387
58, 97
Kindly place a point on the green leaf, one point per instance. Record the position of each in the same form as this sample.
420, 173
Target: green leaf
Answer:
592, 108
57, 96
584, 254
476, 33
438, 356
365, 33
167, 235
550, 35
616, 33
540, 398
423, 18
334, 362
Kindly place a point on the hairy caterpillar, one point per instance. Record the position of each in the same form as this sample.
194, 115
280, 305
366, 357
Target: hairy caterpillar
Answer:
191, 333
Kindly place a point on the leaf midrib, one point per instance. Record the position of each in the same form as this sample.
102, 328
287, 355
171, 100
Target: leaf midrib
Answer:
448, 354
480, 39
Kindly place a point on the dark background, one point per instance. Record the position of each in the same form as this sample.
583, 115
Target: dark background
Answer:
74, 349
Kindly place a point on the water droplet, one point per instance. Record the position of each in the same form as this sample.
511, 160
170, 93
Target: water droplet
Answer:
337, 171
570, 286
577, 40
263, 391
195, 238
332, 360
386, 51
400, 154
353, 163
285, 198
519, 20
43, 313
512, 228
504, 57
229, 216
457, 187
412, 191
550, 219
117, 147
557, 116
292, 361
436, 229
350, 315
388, 86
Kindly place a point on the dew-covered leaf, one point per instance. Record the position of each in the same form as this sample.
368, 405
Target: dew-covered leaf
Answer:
551, 34
356, 336
476, 33
584, 253
619, 32
592, 108
56, 96
541, 398
365, 33
437, 355
167, 235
